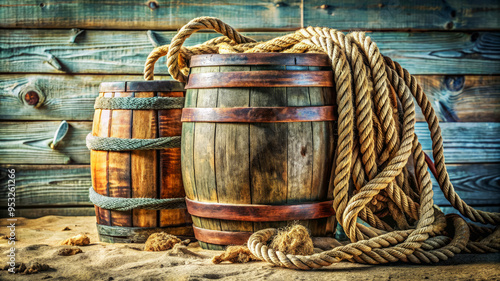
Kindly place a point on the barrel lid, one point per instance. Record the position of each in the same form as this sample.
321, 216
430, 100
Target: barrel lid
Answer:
142, 86
260, 59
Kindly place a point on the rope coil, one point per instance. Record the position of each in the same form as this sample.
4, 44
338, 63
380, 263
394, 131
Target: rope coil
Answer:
376, 139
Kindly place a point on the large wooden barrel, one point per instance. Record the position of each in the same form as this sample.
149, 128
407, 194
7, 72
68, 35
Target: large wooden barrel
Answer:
257, 144
138, 173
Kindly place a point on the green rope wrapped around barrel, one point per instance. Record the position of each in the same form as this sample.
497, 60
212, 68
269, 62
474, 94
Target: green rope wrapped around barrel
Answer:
126, 204
119, 144
139, 103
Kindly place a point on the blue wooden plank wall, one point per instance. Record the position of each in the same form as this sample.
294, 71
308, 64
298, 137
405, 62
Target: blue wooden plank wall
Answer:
62, 50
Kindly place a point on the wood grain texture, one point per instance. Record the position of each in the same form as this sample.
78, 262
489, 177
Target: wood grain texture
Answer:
426, 14
456, 98
170, 164
100, 158
187, 153
133, 14
464, 142
124, 52
29, 143
48, 185
144, 175
476, 184
300, 153
67, 97
268, 153
231, 147
204, 156
347, 14
119, 179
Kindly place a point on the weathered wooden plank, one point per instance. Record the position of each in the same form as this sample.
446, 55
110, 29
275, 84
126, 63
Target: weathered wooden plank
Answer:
424, 14
347, 14
28, 142
300, 153
462, 98
55, 185
455, 98
51, 211
66, 97
93, 52
134, 14
67, 185
476, 184
124, 52
464, 142
442, 52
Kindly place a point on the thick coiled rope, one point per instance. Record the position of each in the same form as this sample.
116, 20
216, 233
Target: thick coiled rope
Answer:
376, 139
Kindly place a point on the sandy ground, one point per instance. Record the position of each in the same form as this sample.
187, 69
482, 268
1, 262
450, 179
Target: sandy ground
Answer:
38, 241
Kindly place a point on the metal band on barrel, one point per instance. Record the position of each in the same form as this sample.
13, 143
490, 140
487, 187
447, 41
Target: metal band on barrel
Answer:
221, 237
260, 114
260, 213
288, 59
255, 79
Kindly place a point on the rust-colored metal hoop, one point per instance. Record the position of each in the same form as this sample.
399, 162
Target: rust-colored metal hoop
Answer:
259, 114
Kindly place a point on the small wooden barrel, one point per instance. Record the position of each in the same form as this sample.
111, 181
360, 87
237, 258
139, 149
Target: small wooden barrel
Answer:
139, 173
257, 144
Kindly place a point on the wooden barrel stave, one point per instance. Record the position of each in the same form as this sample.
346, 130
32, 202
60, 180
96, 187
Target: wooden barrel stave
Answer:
270, 180
322, 162
99, 160
119, 170
204, 154
232, 144
139, 173
170, 159
144, 179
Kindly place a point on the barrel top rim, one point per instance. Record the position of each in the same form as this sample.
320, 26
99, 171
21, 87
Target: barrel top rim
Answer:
142, 86
243, 59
